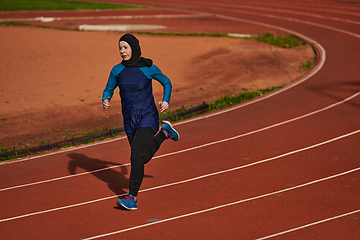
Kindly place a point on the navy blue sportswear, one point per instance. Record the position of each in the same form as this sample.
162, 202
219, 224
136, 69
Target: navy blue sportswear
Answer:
137, 100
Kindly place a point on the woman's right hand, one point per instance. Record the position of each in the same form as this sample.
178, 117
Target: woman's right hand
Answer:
106, 103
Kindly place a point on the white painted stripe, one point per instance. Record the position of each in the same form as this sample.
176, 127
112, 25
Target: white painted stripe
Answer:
119, 27
310, 224
192, 148
63, 150
198, 178
239, 35
57, 209
225, 205
62, 178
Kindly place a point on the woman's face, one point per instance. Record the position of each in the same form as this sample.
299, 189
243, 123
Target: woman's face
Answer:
125, 50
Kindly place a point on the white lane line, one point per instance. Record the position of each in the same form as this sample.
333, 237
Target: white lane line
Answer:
192, 148
187, 180
316, 9
58, 208
312, 72
289, 12
310, 224
62, 178
324, 7
225, 205
289, 19
63, 150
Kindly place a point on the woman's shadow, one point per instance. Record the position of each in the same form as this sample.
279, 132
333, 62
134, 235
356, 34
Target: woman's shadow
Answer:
115, 180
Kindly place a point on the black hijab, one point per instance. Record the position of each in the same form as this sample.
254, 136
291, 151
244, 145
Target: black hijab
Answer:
135, 60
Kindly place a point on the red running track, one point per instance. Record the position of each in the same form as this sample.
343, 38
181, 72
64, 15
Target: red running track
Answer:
284, 166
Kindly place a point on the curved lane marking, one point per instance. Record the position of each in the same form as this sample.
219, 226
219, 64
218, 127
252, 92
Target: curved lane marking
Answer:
209, 175
232, 6
317, 9
320, 7
289, 19
230, 9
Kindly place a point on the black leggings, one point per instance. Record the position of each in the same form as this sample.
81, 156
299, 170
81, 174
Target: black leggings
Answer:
143, 147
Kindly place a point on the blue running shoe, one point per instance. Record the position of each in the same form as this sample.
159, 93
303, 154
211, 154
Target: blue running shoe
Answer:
173, 134
128, 202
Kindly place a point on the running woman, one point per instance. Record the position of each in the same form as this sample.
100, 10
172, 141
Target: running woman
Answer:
134, 77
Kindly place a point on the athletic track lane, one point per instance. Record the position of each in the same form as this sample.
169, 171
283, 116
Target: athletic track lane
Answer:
292, 172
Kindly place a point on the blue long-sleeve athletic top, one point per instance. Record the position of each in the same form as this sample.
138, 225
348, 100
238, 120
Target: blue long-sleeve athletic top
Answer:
137, 100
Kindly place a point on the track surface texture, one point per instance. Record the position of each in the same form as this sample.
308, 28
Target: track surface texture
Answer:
283, 166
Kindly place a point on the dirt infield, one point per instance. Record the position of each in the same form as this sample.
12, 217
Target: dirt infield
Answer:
52, 80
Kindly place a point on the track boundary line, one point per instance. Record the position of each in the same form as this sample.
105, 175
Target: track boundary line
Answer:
309, 225
226, 205
192, 148
63, 150
190, 179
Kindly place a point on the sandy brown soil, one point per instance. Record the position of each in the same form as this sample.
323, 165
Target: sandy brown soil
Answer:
52, 80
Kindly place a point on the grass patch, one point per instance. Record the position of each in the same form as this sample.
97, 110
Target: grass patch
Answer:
223, 102
306, 66
229, 100
288, 41
17, 24
51, 5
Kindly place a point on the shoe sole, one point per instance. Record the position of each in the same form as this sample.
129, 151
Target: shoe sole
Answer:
172, 128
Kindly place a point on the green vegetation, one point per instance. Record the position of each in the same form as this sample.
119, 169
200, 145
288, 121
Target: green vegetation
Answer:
50, 5
229, 100
175, 117
223, 102
17, 24
306, 66
288, 41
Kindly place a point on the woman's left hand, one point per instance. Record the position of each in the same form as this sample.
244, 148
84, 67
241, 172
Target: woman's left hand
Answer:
163, 106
